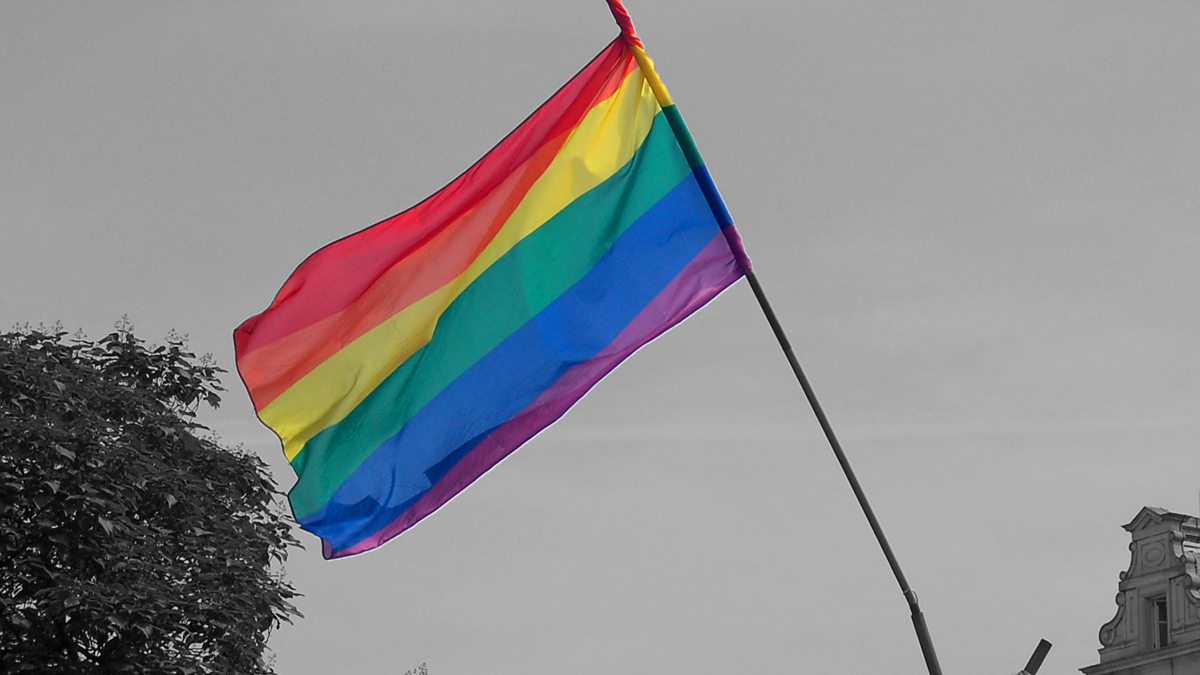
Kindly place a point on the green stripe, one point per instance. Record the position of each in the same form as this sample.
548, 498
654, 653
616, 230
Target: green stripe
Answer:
684, 136
511, 292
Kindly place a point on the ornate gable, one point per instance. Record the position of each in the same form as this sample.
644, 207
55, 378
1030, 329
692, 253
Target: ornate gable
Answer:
1158, 598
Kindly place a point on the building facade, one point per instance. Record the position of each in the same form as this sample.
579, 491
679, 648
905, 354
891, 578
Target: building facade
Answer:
1156, 630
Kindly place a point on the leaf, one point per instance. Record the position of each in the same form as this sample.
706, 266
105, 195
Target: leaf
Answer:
63, 451
171, 500
106, 524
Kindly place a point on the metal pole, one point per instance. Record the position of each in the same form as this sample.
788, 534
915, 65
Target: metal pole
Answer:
722, 215
1035, 661
918, 618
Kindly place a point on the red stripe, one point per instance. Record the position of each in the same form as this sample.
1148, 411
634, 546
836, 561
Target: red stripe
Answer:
334, 277
270, 371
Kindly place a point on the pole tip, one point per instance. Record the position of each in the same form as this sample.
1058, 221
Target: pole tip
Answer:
625, 23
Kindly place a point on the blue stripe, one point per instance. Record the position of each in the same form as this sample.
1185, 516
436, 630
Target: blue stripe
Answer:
571, 330
714, 198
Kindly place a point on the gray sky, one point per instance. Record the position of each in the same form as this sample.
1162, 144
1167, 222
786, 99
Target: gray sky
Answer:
978, 221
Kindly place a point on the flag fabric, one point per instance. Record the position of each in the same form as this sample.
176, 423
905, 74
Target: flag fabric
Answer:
400, 363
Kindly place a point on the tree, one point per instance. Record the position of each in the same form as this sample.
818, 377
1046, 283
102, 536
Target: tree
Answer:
130, 541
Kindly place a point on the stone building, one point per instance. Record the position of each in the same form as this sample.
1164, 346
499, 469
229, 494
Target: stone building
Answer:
1157, 627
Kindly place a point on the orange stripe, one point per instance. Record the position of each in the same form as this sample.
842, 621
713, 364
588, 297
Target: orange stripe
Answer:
333, 277
273, 368
269, 371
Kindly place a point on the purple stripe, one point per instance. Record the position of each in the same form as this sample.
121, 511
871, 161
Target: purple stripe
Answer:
709, 273
735, 243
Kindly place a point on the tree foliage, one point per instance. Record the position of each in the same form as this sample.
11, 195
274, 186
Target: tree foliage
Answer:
130, 542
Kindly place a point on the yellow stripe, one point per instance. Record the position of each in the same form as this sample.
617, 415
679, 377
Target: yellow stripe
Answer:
646, 65
604, 141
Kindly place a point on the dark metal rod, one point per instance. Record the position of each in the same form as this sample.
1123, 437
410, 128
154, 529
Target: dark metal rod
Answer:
1039, 655
723, 218
918, 619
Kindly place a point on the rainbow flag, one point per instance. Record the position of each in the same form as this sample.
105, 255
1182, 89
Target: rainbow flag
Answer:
400, 363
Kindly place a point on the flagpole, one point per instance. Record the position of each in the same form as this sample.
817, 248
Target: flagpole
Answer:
918, 618
621, 15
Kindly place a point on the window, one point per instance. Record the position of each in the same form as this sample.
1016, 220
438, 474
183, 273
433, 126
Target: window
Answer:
1160, 630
